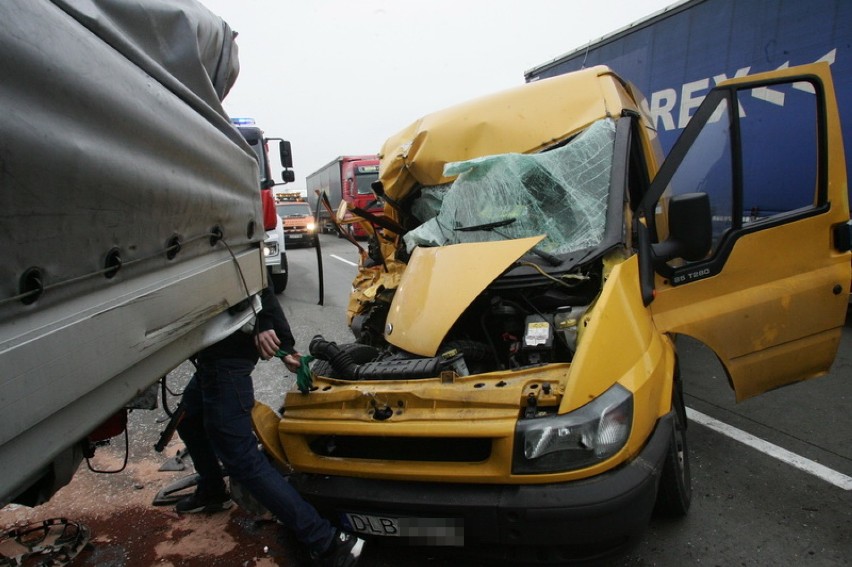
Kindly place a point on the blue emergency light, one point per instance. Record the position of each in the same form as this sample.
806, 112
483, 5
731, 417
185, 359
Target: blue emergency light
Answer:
242, 121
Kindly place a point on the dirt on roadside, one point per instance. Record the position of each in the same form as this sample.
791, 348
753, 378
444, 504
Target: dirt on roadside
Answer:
126, 530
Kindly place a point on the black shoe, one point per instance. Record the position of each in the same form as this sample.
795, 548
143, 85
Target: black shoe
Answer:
344, 551
198, 502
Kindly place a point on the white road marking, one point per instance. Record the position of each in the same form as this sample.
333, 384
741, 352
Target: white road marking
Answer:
839, 480
344, 260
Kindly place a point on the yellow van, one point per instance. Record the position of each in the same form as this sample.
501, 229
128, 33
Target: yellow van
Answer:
514, 379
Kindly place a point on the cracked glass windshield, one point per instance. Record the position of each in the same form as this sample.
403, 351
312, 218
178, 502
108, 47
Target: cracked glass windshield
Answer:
561, 194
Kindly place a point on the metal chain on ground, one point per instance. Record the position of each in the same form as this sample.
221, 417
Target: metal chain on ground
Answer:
50, 543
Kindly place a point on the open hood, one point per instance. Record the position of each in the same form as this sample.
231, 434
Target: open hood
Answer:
439, 284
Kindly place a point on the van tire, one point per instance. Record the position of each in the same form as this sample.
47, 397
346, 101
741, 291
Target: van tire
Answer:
674, 494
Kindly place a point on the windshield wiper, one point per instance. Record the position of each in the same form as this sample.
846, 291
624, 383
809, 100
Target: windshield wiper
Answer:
487, 226
491, 226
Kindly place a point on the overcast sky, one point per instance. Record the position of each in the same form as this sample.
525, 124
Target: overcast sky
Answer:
338, 77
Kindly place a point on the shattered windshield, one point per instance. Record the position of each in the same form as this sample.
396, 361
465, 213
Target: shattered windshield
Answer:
562, 194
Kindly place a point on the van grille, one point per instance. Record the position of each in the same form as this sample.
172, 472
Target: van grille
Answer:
423, 449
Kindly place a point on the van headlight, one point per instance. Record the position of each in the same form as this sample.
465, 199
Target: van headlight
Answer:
270, 248
583, 437
311, 226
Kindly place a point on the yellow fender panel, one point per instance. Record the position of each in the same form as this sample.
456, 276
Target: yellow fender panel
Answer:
265, 422
620, 343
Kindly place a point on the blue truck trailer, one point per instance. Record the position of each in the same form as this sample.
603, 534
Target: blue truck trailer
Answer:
675, 56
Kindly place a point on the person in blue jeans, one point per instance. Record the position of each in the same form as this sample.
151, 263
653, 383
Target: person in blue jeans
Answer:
217, 427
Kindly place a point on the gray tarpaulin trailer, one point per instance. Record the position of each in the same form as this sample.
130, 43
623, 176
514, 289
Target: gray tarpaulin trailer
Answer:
121, 182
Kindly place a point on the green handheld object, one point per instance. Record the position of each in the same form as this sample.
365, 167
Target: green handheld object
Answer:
304, 379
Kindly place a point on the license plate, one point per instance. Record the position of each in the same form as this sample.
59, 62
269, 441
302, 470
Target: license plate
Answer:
295, 236
422, 531
373, 525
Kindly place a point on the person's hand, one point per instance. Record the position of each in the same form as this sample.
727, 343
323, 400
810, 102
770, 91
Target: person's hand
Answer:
292, 361
267, 343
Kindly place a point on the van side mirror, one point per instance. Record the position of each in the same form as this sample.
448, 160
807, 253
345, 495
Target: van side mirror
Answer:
288, 176
690, 229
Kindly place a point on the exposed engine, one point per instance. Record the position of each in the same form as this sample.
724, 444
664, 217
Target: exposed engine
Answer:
515, 322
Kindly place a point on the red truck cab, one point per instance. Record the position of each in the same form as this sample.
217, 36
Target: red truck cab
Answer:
357, 176
346, 178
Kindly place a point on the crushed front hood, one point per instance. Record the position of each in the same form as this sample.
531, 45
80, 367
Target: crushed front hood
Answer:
439, 284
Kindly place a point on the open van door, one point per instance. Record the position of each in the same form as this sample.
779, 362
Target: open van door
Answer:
744, 235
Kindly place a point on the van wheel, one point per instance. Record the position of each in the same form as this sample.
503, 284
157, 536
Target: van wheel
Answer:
674, 494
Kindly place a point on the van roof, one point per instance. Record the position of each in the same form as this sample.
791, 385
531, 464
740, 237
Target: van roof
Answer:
523, 119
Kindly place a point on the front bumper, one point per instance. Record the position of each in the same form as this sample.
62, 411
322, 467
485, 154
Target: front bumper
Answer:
593, 515
296, 238
276, 265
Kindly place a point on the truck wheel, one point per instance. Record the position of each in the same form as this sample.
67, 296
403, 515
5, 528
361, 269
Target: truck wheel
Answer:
279, 281
674, 494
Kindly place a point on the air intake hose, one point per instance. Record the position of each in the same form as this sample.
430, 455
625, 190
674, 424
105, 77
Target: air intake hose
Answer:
402, 369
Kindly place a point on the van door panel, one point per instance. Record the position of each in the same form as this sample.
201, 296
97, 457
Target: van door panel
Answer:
770, 297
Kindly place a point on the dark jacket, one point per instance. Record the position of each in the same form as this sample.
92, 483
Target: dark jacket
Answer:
241, 344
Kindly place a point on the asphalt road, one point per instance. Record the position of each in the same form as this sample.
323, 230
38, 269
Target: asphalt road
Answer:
749, 507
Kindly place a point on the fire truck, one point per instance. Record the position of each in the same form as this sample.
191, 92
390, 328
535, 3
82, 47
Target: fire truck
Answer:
274, 248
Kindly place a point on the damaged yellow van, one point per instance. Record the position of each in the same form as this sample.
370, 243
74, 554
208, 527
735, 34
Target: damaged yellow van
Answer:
514, 378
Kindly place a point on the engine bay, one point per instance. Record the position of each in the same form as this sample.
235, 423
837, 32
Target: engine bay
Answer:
509, 325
